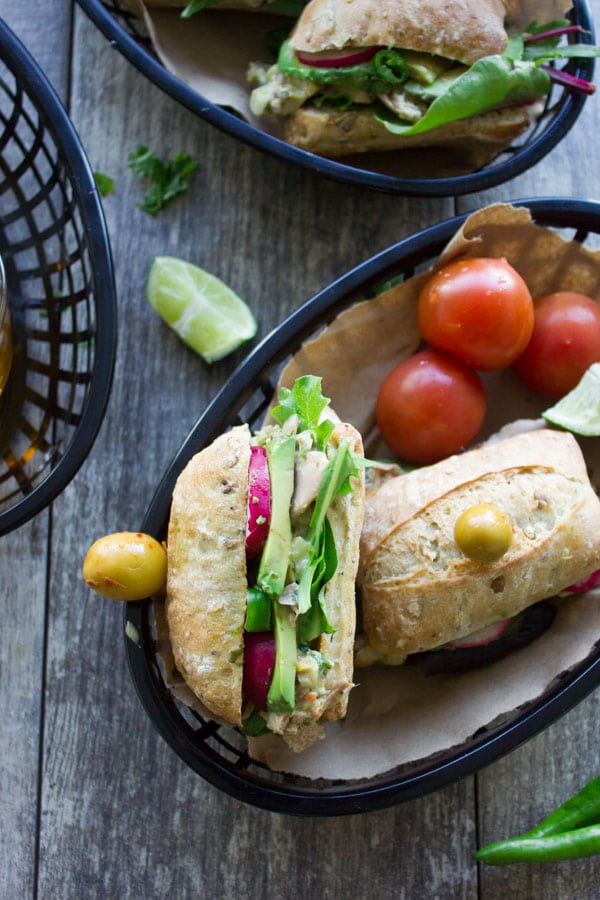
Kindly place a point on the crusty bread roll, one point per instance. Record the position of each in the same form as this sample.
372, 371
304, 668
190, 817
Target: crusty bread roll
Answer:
207, 584
463, 30
338, 134
419, 591
206, 573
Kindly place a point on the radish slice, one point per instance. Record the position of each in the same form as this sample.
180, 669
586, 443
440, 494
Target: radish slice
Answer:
332, 59
259, 662
482, 636
259, 501
586, 584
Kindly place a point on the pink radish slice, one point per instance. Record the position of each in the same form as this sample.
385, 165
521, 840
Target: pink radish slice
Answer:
259, 501
332, 59
586, 584
482, 636
259, 662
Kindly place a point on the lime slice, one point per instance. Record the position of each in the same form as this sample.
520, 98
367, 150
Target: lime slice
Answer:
199, 307
579, 410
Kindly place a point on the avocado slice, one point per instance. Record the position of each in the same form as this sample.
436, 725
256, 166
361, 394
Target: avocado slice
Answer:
276, 552
281, 697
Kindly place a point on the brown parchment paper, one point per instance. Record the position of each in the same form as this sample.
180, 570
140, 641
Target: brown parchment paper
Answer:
398, 715
211, 52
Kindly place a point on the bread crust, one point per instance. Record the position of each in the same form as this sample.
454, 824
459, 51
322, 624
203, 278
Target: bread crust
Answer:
463, 30
418, 591
206, 577
338, 134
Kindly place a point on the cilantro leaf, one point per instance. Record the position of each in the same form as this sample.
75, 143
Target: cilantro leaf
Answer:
104, 183
168, 177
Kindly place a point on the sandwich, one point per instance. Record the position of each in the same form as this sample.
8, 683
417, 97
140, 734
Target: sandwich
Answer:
358, 75
263, 552
420, 591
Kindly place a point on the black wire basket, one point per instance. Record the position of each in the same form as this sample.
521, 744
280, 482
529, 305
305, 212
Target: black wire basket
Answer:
60, 287
218, 753
129, 35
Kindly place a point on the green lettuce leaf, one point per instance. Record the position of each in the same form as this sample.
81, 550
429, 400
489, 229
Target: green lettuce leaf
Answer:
306, 401
490, 83
322, 554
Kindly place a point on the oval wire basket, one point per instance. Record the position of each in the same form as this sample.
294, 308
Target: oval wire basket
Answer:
59, 274
218, 753
129, 35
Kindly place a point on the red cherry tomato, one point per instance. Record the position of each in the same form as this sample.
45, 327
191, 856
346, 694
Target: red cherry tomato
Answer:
259, 662
429, 407
564, 343
479, 310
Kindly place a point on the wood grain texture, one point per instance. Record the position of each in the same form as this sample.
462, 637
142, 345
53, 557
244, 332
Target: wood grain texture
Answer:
23, 581
119, 814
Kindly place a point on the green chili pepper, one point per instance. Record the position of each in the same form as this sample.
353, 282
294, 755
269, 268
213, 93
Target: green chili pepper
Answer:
581, 809
567, 845
571, 831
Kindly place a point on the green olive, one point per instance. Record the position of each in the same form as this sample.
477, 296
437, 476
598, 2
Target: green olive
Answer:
483, 532
125, 566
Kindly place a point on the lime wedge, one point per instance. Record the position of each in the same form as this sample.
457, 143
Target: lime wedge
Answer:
199, 307
579, 410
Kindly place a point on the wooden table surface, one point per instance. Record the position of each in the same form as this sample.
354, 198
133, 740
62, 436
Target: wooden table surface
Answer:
93, 802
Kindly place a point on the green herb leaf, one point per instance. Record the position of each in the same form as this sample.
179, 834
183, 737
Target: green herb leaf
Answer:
169, 177
104, 183
306, 401
195, 6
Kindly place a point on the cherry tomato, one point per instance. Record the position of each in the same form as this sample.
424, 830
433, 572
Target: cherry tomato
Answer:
564, 343
479, 310
430, 406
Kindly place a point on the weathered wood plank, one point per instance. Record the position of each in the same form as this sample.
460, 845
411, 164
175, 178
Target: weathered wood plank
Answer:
23, 558
515, 793
121, 814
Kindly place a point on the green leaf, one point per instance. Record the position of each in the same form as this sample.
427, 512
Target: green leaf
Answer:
306, 401
322, 552
488, 84
169, 177
104, 183
195, 6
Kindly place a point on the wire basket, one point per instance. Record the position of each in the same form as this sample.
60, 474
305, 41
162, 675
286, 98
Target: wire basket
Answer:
60, 288
562, 108
219, 753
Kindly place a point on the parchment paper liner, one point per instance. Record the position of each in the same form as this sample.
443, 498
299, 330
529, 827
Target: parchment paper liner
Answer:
211, 51
398, 715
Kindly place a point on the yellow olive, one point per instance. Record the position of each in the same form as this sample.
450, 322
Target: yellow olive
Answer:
483, 532
125, 566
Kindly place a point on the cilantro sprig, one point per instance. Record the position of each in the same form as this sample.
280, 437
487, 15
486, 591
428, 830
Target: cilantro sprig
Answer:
168, 177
